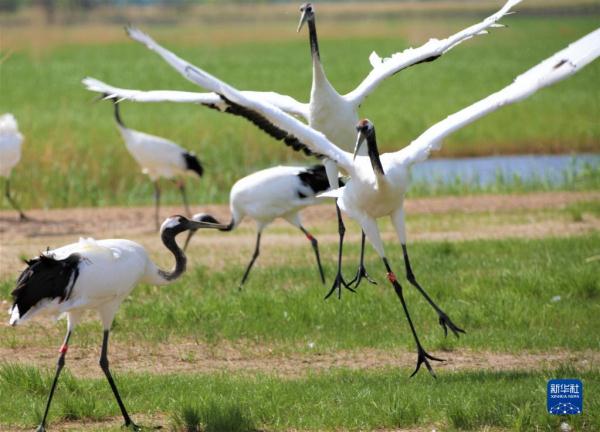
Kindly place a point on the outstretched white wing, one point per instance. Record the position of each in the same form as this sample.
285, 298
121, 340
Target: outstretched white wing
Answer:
558, 67
286, 103
111, 92
211, 100
293, 132
384, 68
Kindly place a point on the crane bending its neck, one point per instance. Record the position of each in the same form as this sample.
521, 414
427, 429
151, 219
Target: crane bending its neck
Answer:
168, 239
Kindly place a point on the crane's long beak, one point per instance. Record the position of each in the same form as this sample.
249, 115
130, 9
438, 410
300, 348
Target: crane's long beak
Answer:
359, 140
194, 226
303, 19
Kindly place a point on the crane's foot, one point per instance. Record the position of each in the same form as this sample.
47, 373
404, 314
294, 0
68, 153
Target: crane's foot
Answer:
424, 358
41, 428
131, 426
136, 428
447, 323
361, 274
338, 283
23, 217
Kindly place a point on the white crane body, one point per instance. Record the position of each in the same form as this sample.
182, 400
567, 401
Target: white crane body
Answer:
96, 275
278, 192
10, 144
271, 193
158, 157
11, 140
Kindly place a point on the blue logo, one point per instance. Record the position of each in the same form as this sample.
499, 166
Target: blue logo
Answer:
565, 396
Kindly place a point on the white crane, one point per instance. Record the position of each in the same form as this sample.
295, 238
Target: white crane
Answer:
159, 158
329, 112
378, 183
10, 155
278, 192
95, 275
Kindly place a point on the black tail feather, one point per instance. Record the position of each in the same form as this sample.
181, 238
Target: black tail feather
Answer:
46, 278
193, 164
315, 177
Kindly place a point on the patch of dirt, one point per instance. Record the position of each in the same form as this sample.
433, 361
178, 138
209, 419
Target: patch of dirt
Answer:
112, 423
202, 358
139, 220
163, 421
52, 228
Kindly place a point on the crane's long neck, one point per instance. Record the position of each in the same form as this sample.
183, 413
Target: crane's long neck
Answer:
319, 78
180, 260
314, 41
118, 115
374, 153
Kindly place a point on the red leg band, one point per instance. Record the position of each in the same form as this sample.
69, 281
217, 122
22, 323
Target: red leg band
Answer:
310, 237
63, 348
391, 277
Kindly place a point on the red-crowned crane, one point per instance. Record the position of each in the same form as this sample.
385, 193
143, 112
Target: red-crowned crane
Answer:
379, 183
329, 112
278, 192
95, 275
10, 155
159, 158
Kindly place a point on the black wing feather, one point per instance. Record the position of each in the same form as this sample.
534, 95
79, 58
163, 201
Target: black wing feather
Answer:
266, 126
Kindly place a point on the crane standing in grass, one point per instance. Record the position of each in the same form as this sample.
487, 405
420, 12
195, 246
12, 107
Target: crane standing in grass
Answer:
379, 182
327, 111
158, 158
278, 192
10, 155
95, 275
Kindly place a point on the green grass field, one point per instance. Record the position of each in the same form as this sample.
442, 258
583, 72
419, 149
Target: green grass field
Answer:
340, 400
530, 304
500, 291
74, 156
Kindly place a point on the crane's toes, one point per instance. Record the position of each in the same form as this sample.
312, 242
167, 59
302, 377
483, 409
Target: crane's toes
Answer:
338, 283
131, 426
447, 323
40, 428
424, 358
360, 275
137, 428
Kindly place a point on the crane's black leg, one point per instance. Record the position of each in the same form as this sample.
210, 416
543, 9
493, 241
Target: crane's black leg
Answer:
181, 186
362, 272
339, 281
444, 320
423, 356
113, 386
13, 203
251, 263
59, 366
315, 246
156, 205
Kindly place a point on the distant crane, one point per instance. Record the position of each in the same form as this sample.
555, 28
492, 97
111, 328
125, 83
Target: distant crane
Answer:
278, 192
10, 154
159, 157
327, 111
96, 275
379, 183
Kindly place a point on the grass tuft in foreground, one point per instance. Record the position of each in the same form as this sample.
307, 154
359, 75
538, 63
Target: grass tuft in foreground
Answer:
212, 416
